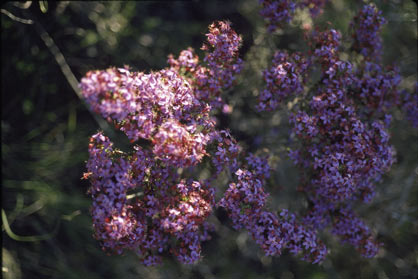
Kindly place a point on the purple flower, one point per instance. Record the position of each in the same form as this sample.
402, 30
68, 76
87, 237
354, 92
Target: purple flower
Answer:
277, 12
285, 78
245, 202
366, 27
222, 64
410, 106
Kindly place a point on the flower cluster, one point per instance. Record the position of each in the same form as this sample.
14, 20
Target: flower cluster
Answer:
222, 64
170, 107
277, 13
285, 78
259, 165
325, 49
343, 143
175, 144
139, 201
376, 88
345, 153
245, 202
112, 217
146, 221
225, 156
159, 107
352, 230
366, 27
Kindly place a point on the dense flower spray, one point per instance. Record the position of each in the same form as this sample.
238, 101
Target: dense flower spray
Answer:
366, 27
170, 109
142, 203
340, 123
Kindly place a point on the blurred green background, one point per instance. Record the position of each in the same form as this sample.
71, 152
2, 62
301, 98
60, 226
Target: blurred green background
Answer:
45, 127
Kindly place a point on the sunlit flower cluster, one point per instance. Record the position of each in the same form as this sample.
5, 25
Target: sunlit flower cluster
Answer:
139, 201
220, 67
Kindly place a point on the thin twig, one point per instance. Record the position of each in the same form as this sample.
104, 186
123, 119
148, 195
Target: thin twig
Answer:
15, 18
66, 70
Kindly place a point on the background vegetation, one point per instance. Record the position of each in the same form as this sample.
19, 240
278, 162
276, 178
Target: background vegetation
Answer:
45, 127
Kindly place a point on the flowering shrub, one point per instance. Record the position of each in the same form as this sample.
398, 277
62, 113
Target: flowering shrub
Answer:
142, 203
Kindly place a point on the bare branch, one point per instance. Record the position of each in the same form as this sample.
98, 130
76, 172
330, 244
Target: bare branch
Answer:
15, 18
